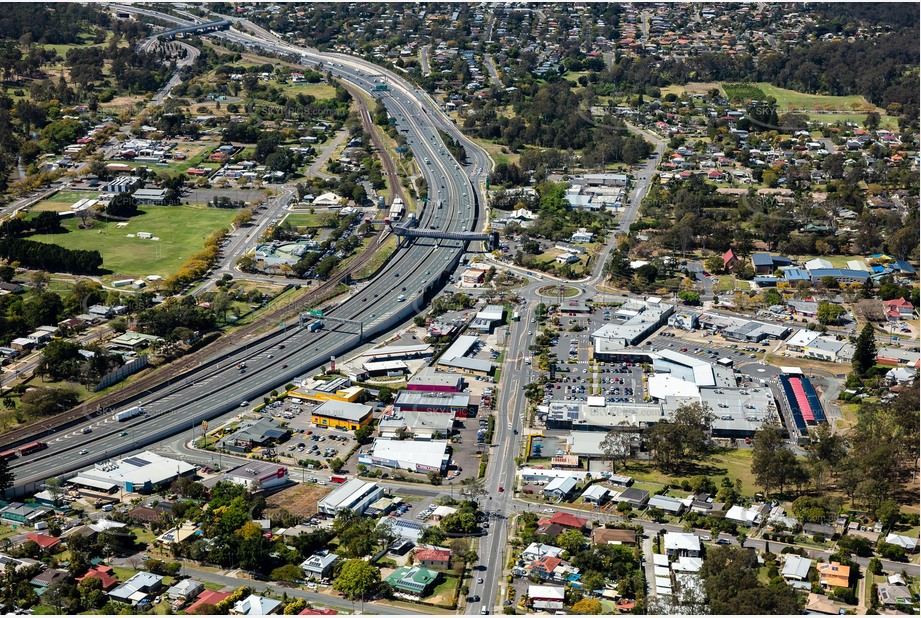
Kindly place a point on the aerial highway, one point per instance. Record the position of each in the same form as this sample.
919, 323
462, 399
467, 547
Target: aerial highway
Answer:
216, 387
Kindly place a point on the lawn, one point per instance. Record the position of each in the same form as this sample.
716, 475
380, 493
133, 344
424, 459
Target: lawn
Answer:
307, 219
790, 99
182, 231
385, 251
444, 590
734, 463
320, 91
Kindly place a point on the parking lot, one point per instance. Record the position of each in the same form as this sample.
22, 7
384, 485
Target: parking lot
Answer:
307, 440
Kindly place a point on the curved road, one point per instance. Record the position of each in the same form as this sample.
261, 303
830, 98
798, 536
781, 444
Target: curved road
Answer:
213, 389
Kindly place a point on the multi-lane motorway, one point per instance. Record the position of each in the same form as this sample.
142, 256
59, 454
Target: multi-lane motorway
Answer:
216, 387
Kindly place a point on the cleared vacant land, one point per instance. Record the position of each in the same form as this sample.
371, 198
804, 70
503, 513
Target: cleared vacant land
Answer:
182, 231
300, 500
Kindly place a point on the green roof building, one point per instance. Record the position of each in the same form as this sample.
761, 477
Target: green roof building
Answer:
412, 580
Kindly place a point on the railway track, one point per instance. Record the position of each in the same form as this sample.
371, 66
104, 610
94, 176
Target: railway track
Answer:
223, 346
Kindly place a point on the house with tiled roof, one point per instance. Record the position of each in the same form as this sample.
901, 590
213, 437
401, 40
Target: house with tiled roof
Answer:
207, 597
834, 574
564, 520
45, 541
435, 558
104, 574
609, 536
899, 309
544, 566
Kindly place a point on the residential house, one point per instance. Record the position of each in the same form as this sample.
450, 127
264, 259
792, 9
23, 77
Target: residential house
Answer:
139, 587
637, 498
544, 566
613, 536
104, 574
45, 541
893, 594
434, 558
819, 529
538, 550
672, 506
796, 571
414, 581
255, 605
185, 589
546, 597
564, 521
682, 544
206, 597
320, 565
47, 577
909, 544
596, 494
742, 515
560, 488
834, 575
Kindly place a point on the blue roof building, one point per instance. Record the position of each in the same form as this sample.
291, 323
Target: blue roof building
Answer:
842, 275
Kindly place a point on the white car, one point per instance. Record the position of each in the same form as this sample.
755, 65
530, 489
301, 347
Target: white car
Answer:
84, 452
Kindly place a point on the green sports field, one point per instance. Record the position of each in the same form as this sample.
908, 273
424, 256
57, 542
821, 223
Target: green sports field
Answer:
182, 231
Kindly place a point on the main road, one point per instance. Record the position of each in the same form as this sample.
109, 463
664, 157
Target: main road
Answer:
219, 385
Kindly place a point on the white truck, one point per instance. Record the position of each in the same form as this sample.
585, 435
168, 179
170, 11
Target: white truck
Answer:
124, 415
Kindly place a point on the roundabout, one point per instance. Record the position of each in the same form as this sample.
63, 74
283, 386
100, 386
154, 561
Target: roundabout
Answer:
558, 291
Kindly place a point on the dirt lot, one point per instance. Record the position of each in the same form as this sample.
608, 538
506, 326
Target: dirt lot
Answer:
300, 499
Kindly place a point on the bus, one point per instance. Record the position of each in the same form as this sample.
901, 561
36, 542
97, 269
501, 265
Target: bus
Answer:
516, 317
8, 455
32, 447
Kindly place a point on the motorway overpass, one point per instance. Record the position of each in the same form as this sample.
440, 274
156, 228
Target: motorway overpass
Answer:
217, 386
203, 28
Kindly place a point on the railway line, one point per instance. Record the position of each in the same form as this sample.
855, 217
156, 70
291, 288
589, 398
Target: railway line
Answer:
216, 386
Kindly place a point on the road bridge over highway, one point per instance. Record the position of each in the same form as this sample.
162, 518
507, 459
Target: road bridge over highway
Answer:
491, 238
209, 26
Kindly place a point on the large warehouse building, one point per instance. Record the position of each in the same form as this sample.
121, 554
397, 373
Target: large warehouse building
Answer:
354, 495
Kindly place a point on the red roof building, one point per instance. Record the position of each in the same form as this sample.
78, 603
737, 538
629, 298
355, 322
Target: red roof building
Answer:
898, 309
104, 573
730, 259
44, 541
433, 557
567, 520
545, 565
309, 611
209, 597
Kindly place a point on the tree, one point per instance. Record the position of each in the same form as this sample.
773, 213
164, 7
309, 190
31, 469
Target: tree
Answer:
54, 487
772, 463
864, 351
587, 607
363, 433
357, 578
730, 576
829, 313
39, 280
887, 513
385, 394
287, 573
7, 476
714, 264
616, 447
570, 540
689, 297
683, 437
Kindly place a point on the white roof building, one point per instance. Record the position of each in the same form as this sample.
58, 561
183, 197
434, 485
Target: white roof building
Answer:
906, 542
738, 514
796, 567
682, 544
802, 338
413, 455
137, 473
255, 605
596, 493
546, 597
535, 551
354, 495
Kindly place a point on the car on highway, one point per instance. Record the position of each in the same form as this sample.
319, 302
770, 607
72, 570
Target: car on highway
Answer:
723, 542
501, 489
479, 580
244, 403
84, 452
123, 434
87, 430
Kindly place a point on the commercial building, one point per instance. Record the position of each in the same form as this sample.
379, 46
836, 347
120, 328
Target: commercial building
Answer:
334, 413
262, 432
353, 495
431, 380
420, 425
487, 319
455, 404
455, 357
258, 475
125, 184
415, 456
141, 473
742, 329
636, 321
337, 389
150, 197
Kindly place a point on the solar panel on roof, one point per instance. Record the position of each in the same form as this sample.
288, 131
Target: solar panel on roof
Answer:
137, 461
